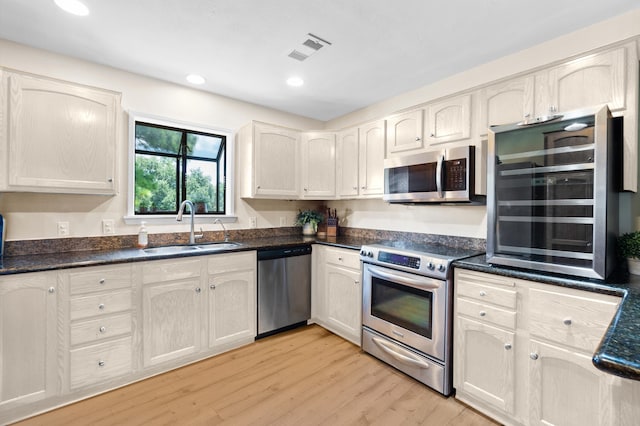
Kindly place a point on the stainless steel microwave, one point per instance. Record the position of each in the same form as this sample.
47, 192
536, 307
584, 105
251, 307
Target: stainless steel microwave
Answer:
440, 176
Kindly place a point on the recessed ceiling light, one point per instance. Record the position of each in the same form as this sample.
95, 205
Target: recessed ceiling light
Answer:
195, 79
74, 7
295, 81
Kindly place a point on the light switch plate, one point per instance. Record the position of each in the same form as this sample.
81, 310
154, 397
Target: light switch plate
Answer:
108, 227
253, 222
63, 229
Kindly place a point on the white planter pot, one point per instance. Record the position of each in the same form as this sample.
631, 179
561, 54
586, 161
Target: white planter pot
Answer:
634, 265
308, 229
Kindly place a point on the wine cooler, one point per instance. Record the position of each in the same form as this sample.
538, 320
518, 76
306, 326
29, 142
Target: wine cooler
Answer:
552, 193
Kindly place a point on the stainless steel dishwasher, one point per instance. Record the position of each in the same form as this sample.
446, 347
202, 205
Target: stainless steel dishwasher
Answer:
284, 288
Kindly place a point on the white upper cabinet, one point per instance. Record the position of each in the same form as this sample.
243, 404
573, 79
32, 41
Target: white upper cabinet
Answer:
505, 103
318, 166
347, 162
405, 133
57, 136
449, 120
269, 161
372, 148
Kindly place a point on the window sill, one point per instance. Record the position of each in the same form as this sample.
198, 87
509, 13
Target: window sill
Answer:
171, 219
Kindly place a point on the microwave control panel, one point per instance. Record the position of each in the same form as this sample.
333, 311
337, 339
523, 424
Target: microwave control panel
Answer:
455, 175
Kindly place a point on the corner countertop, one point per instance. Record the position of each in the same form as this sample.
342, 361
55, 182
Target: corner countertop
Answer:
74, 259
619, 350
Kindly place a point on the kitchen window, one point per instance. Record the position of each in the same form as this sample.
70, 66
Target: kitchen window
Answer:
173, 162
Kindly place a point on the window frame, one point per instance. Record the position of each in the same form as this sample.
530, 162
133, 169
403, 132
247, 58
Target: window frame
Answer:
132, 218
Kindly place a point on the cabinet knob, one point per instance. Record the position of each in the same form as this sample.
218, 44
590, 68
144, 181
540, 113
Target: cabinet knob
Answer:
340, 259
258, 187
102, 281
355, 188
103, 329
483, 293
363, 187
198, 290
566, 321
52, 290
483, 313
101, 306
433, 135
212, 286
110, 180
101, 363
533, 356
507, 346
418, 138
356, 282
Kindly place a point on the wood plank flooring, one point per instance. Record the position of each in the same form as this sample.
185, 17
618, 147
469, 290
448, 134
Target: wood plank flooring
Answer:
306, 376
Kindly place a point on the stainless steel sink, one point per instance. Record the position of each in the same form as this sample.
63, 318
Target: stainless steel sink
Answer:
209, 247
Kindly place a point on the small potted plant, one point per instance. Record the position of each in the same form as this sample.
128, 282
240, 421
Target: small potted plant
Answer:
629, 248
309, 220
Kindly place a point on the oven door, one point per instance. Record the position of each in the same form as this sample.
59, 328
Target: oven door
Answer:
406, 307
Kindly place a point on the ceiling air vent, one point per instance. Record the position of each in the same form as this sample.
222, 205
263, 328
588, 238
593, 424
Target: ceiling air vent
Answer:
308, 47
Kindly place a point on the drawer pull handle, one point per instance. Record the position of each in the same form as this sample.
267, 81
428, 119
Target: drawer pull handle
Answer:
533, 356
507, 346
102, 281
101, 306
483, 313
103, 329
101, 363
567, 321
483, 293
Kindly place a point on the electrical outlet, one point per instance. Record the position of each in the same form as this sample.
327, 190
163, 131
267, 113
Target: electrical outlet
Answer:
253, 222
283, 221
63, 229
108, 228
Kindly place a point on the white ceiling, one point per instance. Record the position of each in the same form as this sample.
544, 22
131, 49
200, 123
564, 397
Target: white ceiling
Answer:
380, 48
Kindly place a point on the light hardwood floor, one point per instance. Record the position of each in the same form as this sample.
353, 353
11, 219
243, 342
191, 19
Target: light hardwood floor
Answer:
307, 376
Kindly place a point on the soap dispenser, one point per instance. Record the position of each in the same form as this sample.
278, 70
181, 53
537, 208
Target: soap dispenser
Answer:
143, 237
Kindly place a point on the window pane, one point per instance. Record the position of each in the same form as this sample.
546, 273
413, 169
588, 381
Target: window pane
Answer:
203, 146
201, 186
155, 139
155, 189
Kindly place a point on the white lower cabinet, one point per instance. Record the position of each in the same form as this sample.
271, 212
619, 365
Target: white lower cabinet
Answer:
337, 291
537, 368
28, 340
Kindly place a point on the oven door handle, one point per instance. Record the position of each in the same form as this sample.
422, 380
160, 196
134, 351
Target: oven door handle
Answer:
391, 350
421, 284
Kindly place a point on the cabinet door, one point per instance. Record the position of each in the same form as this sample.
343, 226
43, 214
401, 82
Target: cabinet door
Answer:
318, 284
171, 320
318, 165
61, 136
372, 145
594, 80
505, 103
485, 364
276, 161
344, 302
566, 389
232, 308
449, 120
28, 339
347, 163
404, 133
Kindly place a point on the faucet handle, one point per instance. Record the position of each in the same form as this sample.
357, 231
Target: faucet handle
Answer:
200, 235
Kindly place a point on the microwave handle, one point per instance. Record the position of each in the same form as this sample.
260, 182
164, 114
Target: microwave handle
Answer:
439, 176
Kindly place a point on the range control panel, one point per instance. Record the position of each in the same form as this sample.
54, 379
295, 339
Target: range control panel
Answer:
419, 263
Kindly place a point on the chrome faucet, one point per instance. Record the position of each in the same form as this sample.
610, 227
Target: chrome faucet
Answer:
226, 233
192, 235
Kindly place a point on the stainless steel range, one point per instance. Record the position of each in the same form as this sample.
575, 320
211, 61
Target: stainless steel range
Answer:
407, 308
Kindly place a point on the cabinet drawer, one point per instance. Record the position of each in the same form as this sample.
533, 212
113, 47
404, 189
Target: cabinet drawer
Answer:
96, 363
487, 294
232, 262
571, 319
99, 304
101, 328
486, 313
170, 270
99, 279
346, 258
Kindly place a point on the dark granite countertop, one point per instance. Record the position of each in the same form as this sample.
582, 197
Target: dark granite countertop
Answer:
74, 259
619, 350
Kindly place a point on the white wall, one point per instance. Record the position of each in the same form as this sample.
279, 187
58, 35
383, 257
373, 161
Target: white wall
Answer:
35, 216
471, 221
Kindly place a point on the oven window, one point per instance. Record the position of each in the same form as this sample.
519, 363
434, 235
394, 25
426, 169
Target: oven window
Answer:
403, 306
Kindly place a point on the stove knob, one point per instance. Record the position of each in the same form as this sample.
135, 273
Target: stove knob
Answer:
431, 266
362, 253
441, 267
370, 254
